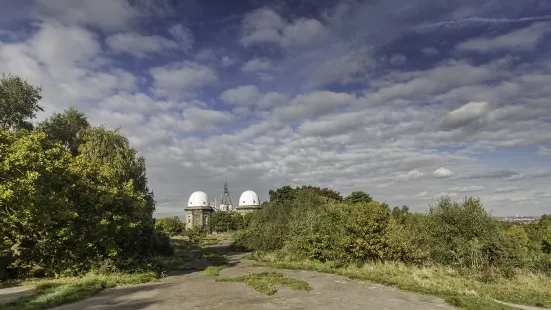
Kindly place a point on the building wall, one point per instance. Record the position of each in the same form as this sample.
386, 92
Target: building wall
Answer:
247, 209
197, 217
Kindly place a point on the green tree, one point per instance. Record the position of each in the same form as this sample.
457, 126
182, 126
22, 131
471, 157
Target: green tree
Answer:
358, 197
463, 234
18, 103
66, 128
36, 209
114, 197
225, 221
400, 214
171, 226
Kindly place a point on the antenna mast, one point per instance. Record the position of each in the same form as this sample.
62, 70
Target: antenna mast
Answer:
226, 200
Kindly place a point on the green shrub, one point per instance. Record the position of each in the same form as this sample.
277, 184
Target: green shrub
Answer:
225, 221
161, 244
195, 234
464, 235
171, 226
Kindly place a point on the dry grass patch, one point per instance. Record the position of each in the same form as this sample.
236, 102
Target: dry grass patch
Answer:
214, 271
266, 282
463, 290
56, 292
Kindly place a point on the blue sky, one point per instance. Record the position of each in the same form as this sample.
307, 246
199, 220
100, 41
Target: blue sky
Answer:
406, 100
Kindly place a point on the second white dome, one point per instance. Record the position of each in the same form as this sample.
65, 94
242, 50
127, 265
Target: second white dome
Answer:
198, 199
249, 198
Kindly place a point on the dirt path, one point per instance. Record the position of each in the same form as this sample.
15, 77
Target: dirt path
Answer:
192, 289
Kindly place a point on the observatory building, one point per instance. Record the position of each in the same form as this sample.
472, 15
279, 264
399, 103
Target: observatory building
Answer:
248, 202
198, 210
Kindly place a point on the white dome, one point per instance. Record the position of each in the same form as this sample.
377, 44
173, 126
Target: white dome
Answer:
249, 198
198, 199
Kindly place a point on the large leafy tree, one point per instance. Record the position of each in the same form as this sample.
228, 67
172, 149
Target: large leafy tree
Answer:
358, 197
114, 195
36, 211
66, 128
18, 103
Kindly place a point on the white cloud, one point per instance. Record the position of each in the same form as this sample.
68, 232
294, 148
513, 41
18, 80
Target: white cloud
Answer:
257, 64
312, 105
182, 35
430, 51
525, 39
465, 189
344, 69
412, 175
139, 45
181, 78
108, 15
242, 95
397, 59
250, 95
545, 151
443, 172
227, 61
507, 189
422, 194
469, 113
266, 26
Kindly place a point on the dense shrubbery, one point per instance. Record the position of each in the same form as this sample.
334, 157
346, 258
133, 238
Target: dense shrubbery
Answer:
309, 223
225, 221
171, 226
72, 197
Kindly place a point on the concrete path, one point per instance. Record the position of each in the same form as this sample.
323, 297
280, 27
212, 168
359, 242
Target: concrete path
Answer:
192, 289
12, 293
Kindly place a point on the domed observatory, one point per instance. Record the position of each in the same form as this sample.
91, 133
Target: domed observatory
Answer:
248, 202
198, 210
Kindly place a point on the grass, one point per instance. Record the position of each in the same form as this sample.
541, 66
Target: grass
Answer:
265, 282
213, 271
462, 290
56, 292
182, 250
50, 293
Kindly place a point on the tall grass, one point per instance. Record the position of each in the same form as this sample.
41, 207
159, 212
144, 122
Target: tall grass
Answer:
467, 290
53, 293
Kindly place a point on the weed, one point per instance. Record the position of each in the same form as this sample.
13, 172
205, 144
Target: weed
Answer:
265, 282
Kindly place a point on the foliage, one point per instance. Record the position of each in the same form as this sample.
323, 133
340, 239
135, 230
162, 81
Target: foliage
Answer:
52, 293
171, 226
457, 288
400, 214
463, 234
72, 197
18, 103
225, 221
214, 271
265, 282
66, 128
358, 197
195, 234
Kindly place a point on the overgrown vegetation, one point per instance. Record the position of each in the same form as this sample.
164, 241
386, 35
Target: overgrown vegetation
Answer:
52, 293
224, 221
266, 282
214, 271
73, 197
457, 250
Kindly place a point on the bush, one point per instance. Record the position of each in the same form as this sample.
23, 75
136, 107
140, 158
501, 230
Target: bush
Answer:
464, 235
171, 226
161, 244
195, 234
225, 221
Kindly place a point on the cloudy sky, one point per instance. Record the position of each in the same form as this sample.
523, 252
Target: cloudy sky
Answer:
406, 100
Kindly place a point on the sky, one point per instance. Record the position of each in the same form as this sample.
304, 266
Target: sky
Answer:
405, 100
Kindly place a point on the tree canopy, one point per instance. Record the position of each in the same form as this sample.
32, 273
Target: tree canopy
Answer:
18, 103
